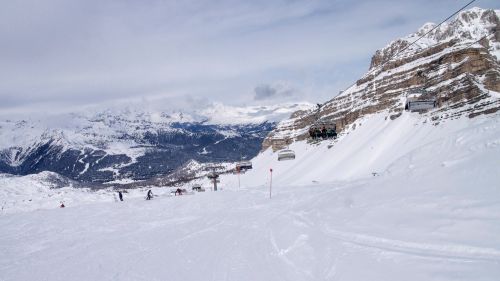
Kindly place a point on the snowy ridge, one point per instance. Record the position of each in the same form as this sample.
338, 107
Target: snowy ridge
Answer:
468, 26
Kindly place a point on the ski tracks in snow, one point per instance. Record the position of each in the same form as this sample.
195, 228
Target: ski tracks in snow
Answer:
447, 251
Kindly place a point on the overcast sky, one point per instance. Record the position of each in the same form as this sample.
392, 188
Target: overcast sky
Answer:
65, 55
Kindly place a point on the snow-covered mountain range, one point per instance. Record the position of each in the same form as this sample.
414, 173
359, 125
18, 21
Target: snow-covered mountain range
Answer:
131, 144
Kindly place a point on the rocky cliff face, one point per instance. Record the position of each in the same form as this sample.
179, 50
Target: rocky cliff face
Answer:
457, 64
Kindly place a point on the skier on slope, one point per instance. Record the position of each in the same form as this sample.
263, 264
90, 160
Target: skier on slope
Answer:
150, 195
62, 205
178, 191
120, 195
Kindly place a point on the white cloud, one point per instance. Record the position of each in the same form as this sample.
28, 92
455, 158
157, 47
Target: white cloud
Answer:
73, 53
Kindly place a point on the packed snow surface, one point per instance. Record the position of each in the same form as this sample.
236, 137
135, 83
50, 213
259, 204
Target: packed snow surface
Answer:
407, 199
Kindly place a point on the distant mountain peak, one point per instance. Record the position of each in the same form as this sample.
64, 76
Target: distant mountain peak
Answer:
425, 28
468, 26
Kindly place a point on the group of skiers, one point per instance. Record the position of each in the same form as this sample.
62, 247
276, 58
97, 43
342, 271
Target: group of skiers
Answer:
323, 133
149, 195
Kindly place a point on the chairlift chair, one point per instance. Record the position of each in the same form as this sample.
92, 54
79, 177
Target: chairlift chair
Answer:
323, 129
286, 154
244, 165
418, 100
197, 187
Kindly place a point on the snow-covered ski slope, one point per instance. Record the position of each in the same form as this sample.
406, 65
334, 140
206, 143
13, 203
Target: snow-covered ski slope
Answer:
432, 212
379, 145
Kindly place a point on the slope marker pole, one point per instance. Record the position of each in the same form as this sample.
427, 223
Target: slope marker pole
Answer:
271, 183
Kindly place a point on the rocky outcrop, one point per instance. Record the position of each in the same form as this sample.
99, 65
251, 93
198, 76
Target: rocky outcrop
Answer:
455, 64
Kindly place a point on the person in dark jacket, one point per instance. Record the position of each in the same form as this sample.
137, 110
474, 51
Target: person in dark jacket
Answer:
317, 133
178, 191
323, 132
311, 133
120, 195
62, 205
150, 195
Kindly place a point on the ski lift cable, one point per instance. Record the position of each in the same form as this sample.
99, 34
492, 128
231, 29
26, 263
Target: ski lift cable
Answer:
399, 52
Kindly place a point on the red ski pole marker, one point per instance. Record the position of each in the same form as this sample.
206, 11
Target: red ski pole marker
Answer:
271, 183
